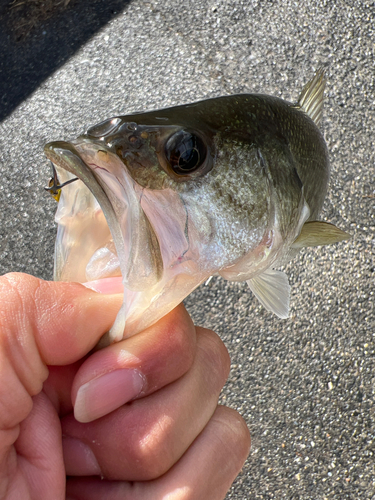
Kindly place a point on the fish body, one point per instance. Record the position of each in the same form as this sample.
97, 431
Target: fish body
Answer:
229, 186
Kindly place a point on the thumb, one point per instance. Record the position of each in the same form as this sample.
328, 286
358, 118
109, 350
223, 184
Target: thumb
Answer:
44, 323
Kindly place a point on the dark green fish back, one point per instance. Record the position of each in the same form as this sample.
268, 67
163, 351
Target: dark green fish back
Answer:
268, 123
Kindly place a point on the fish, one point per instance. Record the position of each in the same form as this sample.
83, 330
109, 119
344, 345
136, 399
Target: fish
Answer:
152, 204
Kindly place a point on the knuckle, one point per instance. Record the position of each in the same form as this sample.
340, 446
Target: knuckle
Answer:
151, 452
12, 284
21, 368
216, 356
13, 300
18, 293
234, 434
184, 346
173, 345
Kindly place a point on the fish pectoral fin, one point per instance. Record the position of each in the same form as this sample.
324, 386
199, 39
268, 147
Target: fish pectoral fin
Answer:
311, 98
272, 290
316, 233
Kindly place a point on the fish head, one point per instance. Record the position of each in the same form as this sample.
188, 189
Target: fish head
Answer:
164, 200
122, 165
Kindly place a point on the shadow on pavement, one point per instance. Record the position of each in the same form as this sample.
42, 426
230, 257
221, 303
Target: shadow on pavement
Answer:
36, 37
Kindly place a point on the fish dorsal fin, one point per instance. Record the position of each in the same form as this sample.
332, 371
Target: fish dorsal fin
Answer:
316, 233
311, 98
272, 290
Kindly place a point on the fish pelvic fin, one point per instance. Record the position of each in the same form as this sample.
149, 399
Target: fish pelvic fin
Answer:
272, 289
311, 99
316, 233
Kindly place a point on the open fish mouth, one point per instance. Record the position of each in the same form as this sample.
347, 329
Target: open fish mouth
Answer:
106, 231
103, 217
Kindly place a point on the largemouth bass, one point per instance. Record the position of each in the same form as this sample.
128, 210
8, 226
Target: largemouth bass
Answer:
230, 186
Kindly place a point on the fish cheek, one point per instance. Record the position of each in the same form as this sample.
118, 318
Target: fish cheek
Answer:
144, 167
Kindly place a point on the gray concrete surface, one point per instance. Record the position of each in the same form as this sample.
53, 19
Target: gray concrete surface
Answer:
304, 385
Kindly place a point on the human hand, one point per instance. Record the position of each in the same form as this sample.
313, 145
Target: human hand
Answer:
171, 439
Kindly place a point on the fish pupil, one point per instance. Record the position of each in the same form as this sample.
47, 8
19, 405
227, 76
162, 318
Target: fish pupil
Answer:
189, 159
185, 152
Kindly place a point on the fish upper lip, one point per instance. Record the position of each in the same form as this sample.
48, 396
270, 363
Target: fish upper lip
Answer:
54, 150
51, 150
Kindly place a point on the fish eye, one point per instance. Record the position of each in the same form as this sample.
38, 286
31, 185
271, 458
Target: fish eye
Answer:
185, 152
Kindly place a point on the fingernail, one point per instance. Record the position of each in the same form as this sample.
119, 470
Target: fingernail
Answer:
106, 285
107, 393
79, 458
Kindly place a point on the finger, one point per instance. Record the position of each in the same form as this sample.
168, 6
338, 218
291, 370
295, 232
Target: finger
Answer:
135, 367
142, 440
132, 368
39, 455
206, 470
58, 386
44, 323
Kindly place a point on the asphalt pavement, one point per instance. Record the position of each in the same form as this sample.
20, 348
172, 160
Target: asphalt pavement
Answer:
305, 385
